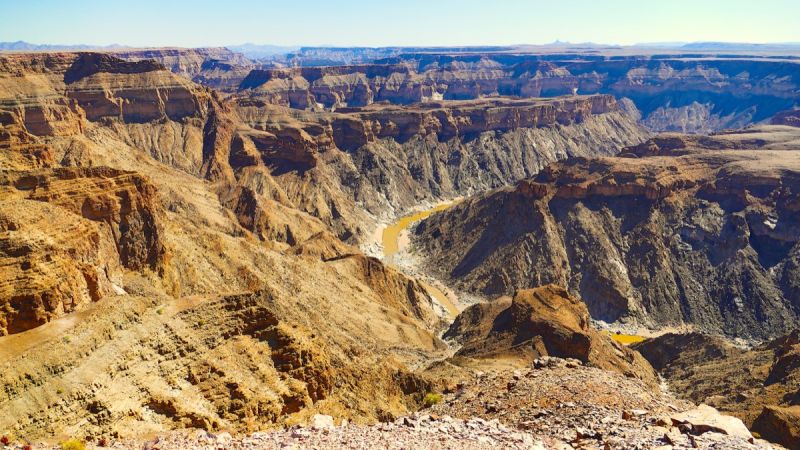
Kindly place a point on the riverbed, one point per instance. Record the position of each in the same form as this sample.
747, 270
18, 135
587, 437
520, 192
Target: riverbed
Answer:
395, 240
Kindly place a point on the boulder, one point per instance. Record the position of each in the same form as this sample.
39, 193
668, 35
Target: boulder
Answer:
320, 421
705, 419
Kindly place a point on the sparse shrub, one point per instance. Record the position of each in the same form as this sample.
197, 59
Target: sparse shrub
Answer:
73, 444
160, 311
66, 339
431, 399
59, 391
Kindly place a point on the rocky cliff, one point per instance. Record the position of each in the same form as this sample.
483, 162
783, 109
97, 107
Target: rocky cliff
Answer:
679, 230
685, 93
103, 220
355, 165
187, 62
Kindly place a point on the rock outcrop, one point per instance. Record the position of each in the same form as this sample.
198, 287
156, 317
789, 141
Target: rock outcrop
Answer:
124, 201
51, 263
244, 361
103, 220
542, 322
780, 425
687, 234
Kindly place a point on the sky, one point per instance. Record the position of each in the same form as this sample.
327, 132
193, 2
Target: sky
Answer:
377, 23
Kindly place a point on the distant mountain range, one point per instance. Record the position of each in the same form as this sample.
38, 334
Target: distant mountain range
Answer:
266, 51
22, 46
256, 51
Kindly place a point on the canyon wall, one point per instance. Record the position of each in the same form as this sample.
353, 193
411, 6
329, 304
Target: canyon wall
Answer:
686, 93
356, 166
678, 231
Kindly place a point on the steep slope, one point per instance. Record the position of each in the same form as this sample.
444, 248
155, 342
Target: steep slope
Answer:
357, 166
679, 231
187, 299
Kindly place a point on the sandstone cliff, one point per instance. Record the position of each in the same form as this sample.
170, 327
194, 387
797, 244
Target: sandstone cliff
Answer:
103, 220
684, 234
192, 63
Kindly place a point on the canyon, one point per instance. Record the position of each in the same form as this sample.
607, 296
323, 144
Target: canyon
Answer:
191, 239
696, 231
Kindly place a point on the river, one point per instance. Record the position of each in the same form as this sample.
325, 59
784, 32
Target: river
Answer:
395, 240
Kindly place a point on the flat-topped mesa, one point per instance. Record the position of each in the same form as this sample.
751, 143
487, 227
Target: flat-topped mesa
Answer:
584, 178
187, 62
71, 87
258, 77
446, 120
101, 85
146, 106
698, 236
331, 87
87, 64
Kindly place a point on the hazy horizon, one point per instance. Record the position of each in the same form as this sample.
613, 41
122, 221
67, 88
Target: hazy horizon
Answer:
355, 23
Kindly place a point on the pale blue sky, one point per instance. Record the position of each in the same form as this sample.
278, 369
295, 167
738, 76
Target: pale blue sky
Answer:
396, 22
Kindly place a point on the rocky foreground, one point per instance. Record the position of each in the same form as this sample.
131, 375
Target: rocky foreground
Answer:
555, 404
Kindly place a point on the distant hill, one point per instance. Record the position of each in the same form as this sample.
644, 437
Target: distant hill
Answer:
22, 46
738, 46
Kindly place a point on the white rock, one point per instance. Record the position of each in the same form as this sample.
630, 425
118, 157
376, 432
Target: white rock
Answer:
320, 421
223, 438
705, 418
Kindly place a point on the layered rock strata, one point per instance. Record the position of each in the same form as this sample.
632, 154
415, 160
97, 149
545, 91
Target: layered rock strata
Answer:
698, 231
